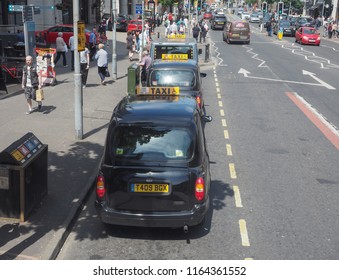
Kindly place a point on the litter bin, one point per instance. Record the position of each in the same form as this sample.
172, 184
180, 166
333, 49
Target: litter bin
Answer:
23, 177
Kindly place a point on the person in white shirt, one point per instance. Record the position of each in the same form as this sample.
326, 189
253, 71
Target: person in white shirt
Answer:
84, 65
102, 62
71, 47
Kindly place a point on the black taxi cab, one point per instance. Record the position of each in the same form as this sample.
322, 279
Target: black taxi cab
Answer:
173, 71
177, 45
155, 167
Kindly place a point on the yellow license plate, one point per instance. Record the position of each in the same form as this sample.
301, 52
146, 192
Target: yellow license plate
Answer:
149, 188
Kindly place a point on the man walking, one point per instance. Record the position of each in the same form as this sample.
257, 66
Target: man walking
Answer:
92, 43
31, 81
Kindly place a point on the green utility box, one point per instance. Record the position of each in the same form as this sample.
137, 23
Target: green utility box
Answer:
133, 78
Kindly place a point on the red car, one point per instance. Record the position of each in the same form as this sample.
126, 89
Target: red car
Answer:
134, 24
208, 15
307, 36
50, 34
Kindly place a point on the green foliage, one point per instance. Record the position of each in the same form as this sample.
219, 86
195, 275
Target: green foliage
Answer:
167, 3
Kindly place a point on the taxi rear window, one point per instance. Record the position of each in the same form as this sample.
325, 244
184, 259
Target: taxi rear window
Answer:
160, 50
160, 144
172, 78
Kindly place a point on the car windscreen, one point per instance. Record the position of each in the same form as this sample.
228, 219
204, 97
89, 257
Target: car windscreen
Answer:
172, 78
309, 31
285, 24
139, 143
220, 18
160, 50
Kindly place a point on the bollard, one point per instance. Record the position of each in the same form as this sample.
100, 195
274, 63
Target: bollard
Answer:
207, 52
158, 35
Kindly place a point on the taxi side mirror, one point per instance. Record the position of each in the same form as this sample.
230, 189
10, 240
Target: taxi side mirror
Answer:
206, 118
203, 75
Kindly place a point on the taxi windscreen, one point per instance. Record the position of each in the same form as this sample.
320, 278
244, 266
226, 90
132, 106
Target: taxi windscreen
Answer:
159, 51
172, 78
160, 144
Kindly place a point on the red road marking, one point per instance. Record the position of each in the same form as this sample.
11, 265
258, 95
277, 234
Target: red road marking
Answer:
329, 134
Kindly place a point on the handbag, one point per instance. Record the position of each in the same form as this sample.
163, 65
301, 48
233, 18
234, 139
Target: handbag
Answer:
66, 48
107, 74
39, 95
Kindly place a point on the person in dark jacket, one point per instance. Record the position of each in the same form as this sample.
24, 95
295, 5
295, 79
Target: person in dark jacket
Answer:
196, 31
31, 81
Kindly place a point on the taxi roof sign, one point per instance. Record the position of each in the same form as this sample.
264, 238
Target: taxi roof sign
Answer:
159, 90
174, 56
176, 36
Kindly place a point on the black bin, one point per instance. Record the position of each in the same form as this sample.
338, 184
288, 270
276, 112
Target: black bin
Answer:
23, 177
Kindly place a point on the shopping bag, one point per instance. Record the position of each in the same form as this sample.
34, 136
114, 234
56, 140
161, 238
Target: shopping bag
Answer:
39, 95
66, 48
107, 74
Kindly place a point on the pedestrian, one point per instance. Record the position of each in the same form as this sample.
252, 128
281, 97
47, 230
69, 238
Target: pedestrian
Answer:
61, 49
137, 41
269, 28
203, 32
196, 31
84, 65
145, 63
102, 62
92, 43
173, 28
71, 47
31, 81
130, 45
329, 30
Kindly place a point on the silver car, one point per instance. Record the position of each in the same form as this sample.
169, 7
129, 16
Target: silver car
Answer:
254, 17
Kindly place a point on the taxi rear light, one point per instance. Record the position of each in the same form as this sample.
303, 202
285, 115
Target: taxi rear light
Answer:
100, 189
198, 99
200, 189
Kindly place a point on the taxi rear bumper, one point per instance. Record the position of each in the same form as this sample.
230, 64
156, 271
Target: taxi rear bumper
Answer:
152, 219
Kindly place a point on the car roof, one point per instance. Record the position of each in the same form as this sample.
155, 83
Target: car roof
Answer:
176, 41
187, 64
156, 109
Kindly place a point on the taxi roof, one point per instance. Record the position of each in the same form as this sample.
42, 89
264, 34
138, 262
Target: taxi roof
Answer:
187, 64
175, 41
156, 109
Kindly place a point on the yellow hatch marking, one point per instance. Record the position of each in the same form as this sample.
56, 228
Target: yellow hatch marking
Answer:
222, 113
223, 122
218, 90
220, 104
226, 135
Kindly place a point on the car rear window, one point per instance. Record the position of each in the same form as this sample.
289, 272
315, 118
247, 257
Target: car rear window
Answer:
240, 26
160, 50
149, 143
172, 78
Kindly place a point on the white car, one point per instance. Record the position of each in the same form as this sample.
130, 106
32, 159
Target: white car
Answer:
245, 16
254, 17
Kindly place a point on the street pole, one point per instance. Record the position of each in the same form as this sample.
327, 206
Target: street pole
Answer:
78, 97
114, 41
143, 40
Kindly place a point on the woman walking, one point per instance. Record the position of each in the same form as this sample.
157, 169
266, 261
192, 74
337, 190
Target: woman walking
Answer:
102, 62
61, 48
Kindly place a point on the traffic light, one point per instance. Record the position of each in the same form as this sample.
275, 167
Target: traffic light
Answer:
264, 7
10, 8
280, 7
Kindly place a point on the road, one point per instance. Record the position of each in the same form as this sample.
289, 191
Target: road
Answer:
273, 147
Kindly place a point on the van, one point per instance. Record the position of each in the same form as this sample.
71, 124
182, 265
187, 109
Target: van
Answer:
236, 31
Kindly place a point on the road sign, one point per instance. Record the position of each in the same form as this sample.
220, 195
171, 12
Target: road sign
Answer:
138, 9
81, 36
19, 8
27, 13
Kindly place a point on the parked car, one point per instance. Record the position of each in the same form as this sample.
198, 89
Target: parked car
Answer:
286, 26
218, 21
50, 34
307, 36
155, 170
134, 24
122, 22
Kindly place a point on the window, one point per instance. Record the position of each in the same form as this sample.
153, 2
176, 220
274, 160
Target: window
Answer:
172, 78
153, 144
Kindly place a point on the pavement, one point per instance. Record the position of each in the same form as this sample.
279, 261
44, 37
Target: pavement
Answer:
72, 163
